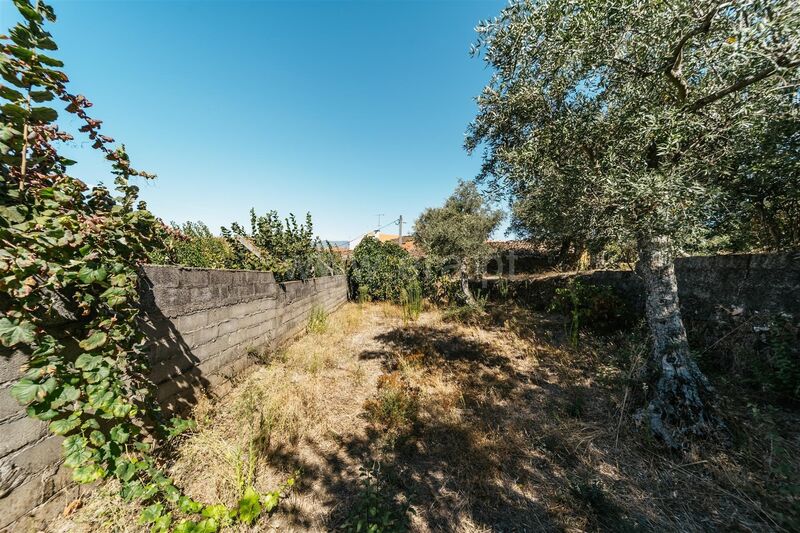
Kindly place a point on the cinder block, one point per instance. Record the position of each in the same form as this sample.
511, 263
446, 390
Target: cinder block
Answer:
194, 278
35, 458
231, 325
190, 322
9, 366
210, 349
9, 407
162, 276
19, 433
202, 336
173, 366
37, 500
181, 384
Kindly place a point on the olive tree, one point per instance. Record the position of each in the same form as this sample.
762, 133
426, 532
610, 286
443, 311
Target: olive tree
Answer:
760, 207
457, 232
617, 120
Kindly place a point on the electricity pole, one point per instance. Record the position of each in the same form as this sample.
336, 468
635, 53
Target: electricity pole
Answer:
379, 215
400, 238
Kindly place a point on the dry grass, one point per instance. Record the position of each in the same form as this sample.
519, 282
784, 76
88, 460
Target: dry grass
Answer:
508, 429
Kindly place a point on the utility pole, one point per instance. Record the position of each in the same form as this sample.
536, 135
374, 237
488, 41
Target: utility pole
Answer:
400, 238
379, 215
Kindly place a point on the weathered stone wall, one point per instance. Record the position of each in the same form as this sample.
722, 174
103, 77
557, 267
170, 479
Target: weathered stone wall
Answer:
716, 292
202, 324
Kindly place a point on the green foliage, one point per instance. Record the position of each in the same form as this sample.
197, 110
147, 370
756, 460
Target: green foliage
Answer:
249, 506
761, 194
503, 287
374, 510
193, 245
776, 368
585, 305
456, 234
601, 133
363, 294
69, 262
411, 301
287, 249
784, 360
317, 320
436, 280
69, 283
383, 269
467, 313
459, 229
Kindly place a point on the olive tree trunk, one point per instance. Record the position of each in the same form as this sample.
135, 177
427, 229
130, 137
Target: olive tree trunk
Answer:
463, 273
681, 394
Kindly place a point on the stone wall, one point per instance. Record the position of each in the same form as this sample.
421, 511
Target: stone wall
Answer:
717, 293
202, 325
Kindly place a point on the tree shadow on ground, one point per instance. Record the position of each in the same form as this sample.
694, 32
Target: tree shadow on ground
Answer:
476, 470
510, 443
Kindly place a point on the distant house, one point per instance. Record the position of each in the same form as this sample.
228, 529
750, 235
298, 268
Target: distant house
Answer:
408, 241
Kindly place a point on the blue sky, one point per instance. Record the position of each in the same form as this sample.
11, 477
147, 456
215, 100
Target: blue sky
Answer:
343, 109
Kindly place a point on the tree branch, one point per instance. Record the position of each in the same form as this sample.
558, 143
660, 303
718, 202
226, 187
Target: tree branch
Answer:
673, 66
740, 84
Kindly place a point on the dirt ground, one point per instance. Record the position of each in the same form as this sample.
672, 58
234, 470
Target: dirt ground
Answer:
499, 425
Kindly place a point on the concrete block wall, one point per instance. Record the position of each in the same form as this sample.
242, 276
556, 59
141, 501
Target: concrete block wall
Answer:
201, 324
716, 292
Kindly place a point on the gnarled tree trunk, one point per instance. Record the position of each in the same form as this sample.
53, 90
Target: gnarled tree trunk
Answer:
464, 275
682, 395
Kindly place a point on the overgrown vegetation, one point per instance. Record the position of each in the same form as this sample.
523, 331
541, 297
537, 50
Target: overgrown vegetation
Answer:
760, 352
456, 234
600, 134
286, 248
317, 320
70, 261
192, 244
379, 271
395, 406
374, 511
589, 306
411, 301
500, 424
467, 313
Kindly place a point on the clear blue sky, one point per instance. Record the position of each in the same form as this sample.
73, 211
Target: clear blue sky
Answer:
343, 109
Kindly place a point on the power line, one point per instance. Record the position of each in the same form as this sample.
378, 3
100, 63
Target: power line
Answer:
395, 221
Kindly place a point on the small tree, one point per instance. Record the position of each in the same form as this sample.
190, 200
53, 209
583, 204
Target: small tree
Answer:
618, 120
286, 248
457, 232
381, 270
192, 244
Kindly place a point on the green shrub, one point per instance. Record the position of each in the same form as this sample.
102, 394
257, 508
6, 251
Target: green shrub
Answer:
503, 287
363, 294
374, 510
193, 245
383, 269
286, 248
318, 320
411, 300
584, 305
776, 368
467, 313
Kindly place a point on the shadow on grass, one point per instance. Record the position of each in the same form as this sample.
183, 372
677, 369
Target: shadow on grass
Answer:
528, 445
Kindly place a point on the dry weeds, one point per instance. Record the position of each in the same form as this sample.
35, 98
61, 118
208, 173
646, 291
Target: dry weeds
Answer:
512, 430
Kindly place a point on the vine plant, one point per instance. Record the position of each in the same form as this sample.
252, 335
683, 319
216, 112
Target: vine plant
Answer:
68, 289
